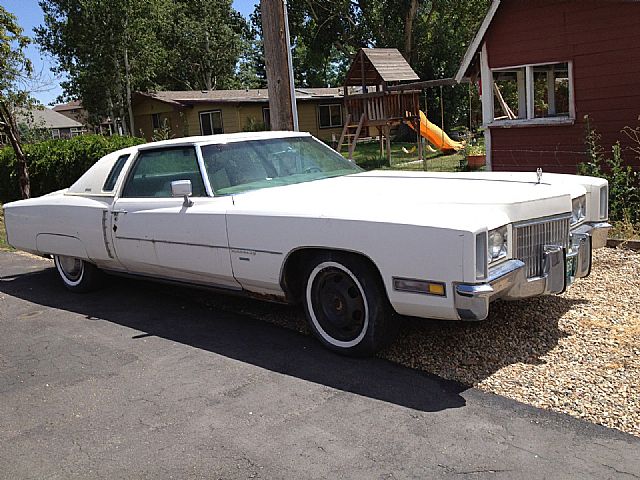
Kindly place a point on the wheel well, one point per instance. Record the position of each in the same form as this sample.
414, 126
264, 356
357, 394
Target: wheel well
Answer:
293, 272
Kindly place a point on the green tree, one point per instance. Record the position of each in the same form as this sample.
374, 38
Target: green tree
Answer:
203, 45
108, 49
15, 72
111, 48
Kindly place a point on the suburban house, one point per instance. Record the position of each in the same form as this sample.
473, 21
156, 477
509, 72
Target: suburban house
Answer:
542, 67
75, 111
48, 121
186, 113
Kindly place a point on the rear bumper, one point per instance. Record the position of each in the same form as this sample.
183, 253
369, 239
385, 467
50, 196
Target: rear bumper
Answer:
508, 280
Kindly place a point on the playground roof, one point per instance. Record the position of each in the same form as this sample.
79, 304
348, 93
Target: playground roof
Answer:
376, 65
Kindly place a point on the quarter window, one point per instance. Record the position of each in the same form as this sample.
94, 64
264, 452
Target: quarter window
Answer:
154, 170
330, 116
110, 184
211, 122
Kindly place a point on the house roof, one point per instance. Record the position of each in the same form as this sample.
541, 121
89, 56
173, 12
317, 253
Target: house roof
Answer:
386, 64
189, 97
477, 41
46, 118
72, 105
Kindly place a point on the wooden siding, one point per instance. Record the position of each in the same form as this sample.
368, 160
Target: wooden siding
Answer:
235, 117
602, 39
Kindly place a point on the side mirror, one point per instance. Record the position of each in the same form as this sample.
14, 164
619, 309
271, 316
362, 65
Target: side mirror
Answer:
182, 188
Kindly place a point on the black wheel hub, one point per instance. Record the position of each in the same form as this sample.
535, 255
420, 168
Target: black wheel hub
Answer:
338, 304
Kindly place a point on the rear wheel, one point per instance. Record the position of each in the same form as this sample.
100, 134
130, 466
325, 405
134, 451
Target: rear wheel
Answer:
347, 306
77, 275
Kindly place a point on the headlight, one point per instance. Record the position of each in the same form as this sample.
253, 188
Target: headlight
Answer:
578, 209
604, 202
498, 244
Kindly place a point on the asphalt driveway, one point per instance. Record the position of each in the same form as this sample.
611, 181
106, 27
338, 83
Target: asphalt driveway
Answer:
137, 382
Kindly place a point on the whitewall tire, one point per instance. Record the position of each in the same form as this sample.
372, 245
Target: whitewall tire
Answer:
346, 304
76, 274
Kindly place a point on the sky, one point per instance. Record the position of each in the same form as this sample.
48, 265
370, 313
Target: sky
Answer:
29, 16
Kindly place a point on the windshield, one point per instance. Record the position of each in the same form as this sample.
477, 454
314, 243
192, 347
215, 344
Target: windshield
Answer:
243, 166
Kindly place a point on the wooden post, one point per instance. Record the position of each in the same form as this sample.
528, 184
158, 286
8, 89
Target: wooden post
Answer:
421, 157
387, 132
275, 34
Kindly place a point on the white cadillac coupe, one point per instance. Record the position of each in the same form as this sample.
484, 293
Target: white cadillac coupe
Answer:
281, 216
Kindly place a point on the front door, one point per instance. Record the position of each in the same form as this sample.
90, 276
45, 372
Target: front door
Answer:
158, 235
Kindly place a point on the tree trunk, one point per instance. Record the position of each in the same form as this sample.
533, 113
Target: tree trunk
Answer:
10, 129
127, 70
408, 29
208, 80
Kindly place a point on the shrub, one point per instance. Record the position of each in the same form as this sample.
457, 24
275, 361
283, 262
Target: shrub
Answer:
56, 164
624, 181
373, 162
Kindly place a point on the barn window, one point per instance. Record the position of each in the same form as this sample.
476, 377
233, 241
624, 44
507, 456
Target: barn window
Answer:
330, 116
533, 92
211, 122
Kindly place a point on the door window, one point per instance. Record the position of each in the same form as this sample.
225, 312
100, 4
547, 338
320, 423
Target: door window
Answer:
154, 171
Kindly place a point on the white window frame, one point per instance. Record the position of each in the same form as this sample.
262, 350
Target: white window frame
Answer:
76, 131
530, 120
331, 125
55, 133
210, 113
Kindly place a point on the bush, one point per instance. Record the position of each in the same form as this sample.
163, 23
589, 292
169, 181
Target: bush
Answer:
373, 162
624, 181
56, 164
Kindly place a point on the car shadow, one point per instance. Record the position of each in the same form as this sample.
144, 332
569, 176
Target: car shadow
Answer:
196, 319
468, 352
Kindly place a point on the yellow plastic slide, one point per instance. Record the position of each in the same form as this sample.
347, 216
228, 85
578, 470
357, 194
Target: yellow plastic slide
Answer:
436, 136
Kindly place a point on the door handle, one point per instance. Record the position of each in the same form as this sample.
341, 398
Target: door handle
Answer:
116, 212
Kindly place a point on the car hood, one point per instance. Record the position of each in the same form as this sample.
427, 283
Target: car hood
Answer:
411, 198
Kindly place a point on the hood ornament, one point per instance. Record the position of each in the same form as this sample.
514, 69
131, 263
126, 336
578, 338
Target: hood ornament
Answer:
539, 172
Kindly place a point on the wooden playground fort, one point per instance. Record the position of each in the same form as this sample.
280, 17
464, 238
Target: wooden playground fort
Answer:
381, 91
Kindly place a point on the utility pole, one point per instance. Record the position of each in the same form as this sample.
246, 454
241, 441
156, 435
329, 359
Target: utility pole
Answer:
279, 65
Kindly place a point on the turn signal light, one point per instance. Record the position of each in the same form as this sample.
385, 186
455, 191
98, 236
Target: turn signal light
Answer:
419, 286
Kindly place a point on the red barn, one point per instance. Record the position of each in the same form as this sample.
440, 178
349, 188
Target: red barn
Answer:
543, 66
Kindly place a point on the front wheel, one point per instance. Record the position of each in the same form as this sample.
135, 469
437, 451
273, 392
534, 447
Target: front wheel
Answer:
77, 275
347, 306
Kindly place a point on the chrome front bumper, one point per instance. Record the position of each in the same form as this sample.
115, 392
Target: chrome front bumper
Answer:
508, 280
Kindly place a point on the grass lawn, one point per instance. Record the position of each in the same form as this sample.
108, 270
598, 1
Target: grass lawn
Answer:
367, 155
3, 233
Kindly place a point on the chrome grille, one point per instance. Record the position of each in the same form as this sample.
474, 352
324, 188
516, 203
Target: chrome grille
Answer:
530, 239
